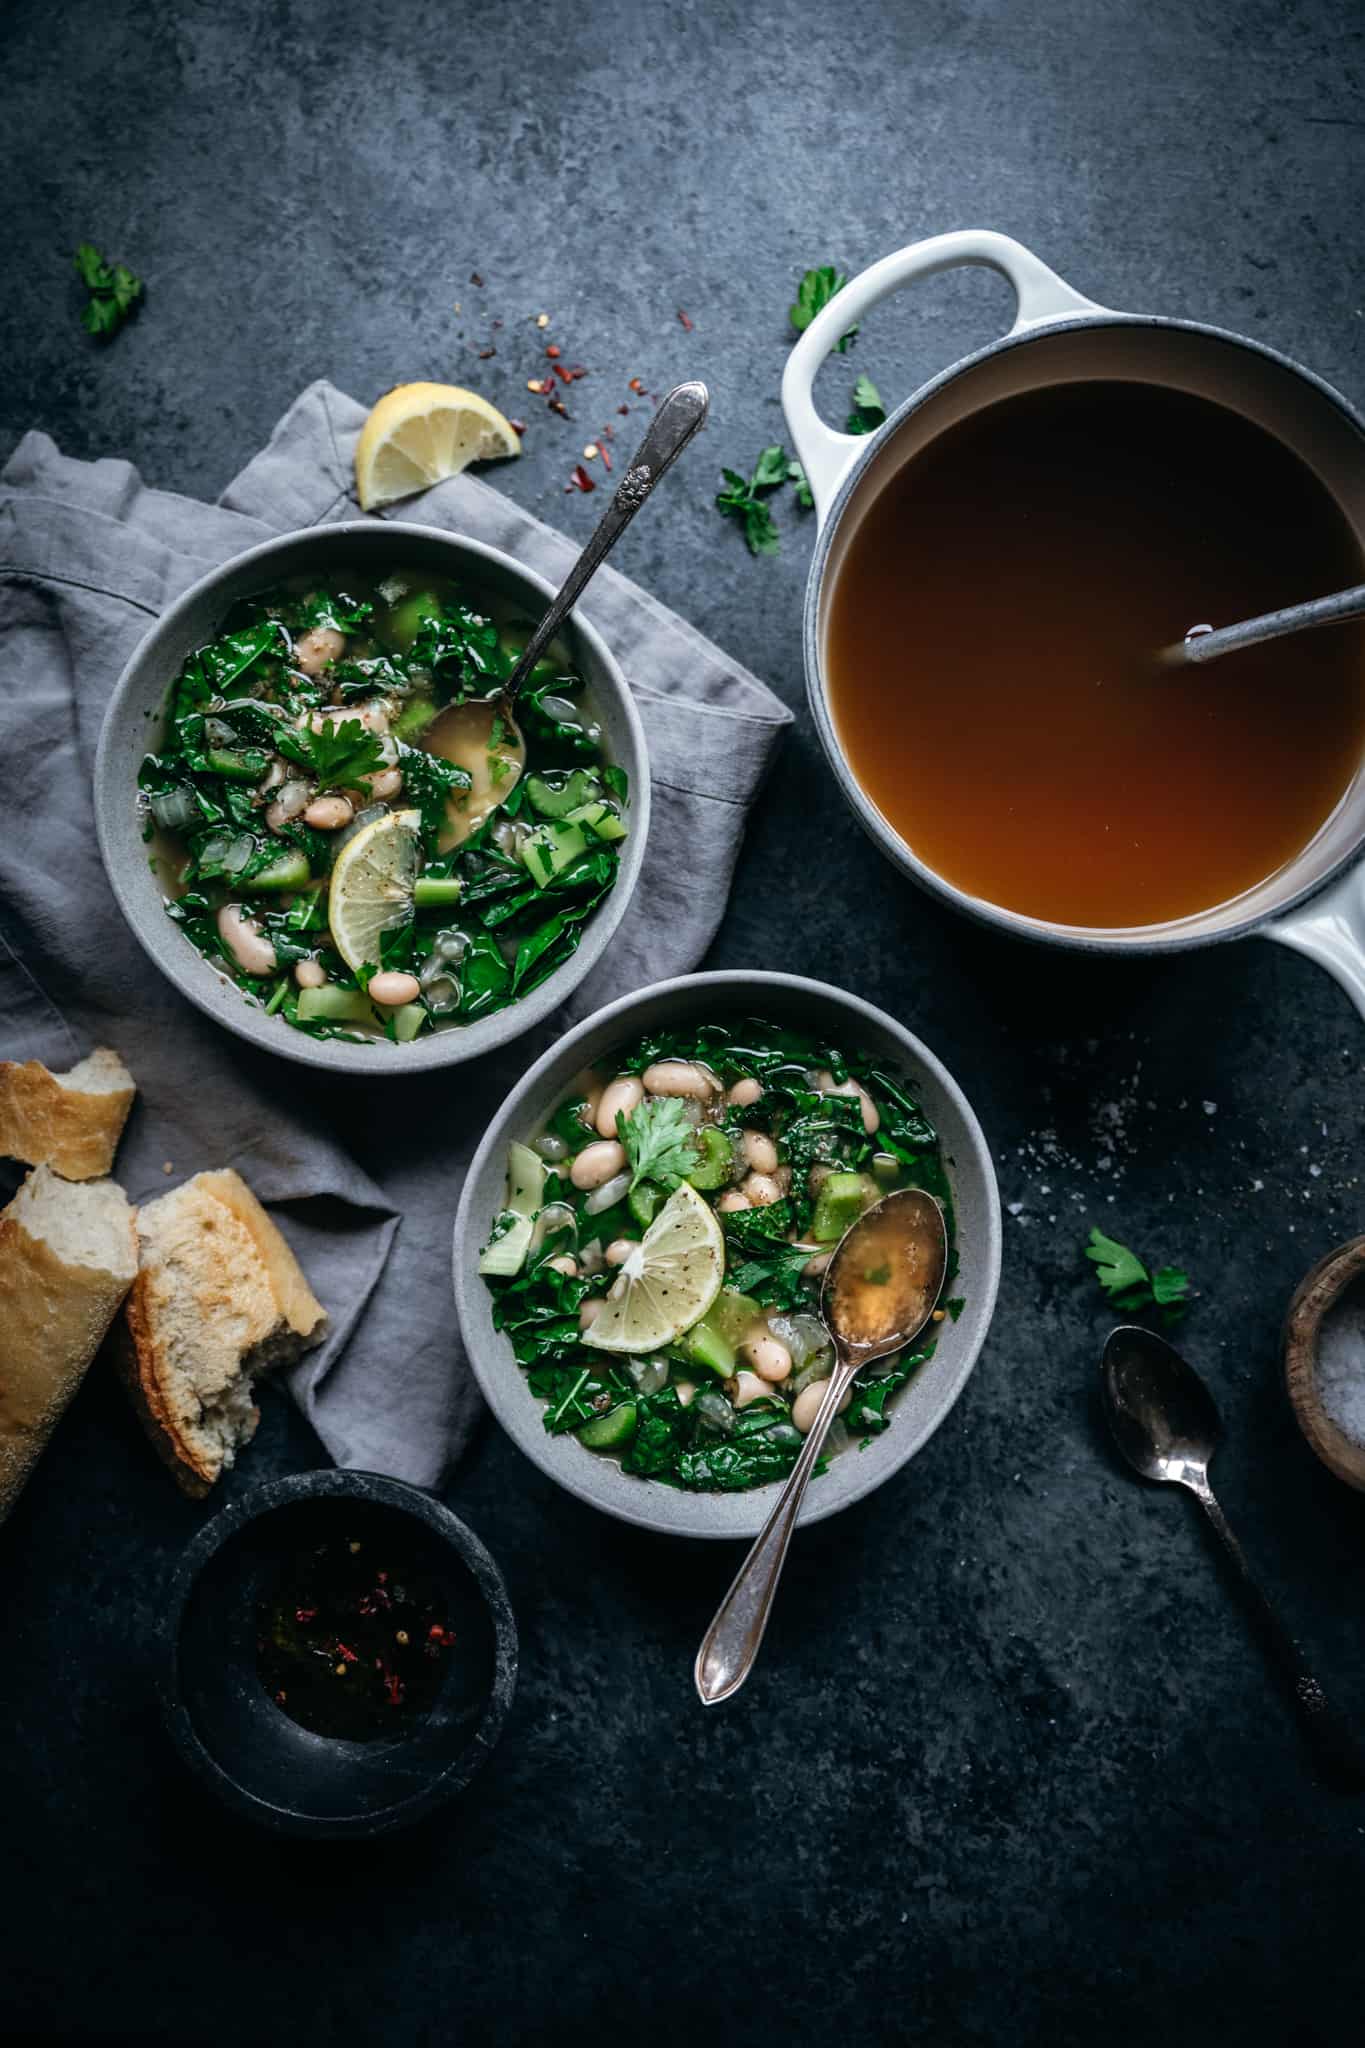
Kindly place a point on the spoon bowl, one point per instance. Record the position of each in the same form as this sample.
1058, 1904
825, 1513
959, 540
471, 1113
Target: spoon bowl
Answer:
1160, 1413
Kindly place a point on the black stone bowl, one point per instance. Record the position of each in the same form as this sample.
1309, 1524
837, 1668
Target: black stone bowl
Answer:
245, 1748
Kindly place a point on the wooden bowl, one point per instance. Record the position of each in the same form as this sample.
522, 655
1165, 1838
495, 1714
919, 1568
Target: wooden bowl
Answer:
1318, 1298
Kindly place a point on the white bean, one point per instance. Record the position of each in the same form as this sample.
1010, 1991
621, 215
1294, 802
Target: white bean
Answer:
589, 1311
732, 1201
814, 1268
619, 1250
597, 1163
806, 1406
759, 1151
761, 1189
384, 784
565, 1265
749, 1387
293, 799
313, 650
391, 989
680, 1077
827, 1085
242, 937
745, 1093
768, 1356
374, 716
619, 1098
328, 813
309, 973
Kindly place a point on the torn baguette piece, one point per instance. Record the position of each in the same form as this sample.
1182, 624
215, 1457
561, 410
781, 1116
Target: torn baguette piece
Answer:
71, 1122
218, 1298
68, 1255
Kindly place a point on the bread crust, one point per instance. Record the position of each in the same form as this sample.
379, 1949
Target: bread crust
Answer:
52, 1119
54, 1314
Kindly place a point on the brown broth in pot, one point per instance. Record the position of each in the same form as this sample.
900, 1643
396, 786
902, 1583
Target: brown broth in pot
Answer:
989, 641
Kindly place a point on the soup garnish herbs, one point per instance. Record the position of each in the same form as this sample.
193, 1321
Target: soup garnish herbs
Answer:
346, 825
657, 1265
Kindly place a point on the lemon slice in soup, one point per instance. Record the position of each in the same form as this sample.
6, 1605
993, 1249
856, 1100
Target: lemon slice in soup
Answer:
419, 434
372, 885
668, 1281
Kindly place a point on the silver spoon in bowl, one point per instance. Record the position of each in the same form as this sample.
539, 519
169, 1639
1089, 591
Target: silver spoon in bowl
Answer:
881, 1286
482, 735
1163, 1419
1202, 643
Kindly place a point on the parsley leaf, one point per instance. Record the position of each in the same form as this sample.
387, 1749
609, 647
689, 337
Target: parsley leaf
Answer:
744, 501
814, 292
338, 755
113, 289
659, 1142
1130, 1286
868, 411
797, 475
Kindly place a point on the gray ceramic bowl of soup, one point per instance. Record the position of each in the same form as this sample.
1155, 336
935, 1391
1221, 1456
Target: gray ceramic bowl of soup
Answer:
136, 717
920, 1406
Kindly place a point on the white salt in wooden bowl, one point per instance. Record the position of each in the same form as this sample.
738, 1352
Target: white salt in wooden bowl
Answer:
1324, 1360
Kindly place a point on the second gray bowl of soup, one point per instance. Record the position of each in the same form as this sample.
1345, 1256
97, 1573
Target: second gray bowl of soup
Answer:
917, 1409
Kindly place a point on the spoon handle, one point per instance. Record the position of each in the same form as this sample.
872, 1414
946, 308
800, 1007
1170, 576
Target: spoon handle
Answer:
1338, 1754
730, 1646
1199, 647
676, 420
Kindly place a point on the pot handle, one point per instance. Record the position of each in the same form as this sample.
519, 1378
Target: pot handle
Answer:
1039, 293
1330, 929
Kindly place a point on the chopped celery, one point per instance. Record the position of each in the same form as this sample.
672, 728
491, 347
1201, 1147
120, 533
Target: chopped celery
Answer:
289, 871
839, 1204
550, 850
408, 1021
332, 1005
434, 892
716, 1159
578, 790
505, 1255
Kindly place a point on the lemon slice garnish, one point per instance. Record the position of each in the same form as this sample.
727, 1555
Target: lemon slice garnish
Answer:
372, 883
668, 1281
419, 434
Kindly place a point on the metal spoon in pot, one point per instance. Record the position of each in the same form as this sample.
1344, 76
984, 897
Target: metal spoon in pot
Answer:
1203, 644
483, 736
1164, 1421
880, 1289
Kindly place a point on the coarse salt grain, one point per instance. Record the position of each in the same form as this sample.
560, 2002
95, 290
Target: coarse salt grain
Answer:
1341, 1364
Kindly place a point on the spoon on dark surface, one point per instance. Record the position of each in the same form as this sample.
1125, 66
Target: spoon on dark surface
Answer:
881, 1287
1164, 1421
1203, 643
482, 735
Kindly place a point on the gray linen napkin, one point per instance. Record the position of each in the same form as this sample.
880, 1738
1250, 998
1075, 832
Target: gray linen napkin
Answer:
363, 1177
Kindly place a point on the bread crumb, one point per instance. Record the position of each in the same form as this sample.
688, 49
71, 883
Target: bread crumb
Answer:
167, 1166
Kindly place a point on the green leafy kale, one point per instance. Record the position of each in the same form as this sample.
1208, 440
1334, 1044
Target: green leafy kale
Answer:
868, 411
114, 292
813, 294
428, 783
338, 756
760, 1261
660, 1143
1129, 1285
744, 502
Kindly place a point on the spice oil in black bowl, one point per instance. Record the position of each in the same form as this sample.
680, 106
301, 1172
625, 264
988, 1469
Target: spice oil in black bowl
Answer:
340, 1654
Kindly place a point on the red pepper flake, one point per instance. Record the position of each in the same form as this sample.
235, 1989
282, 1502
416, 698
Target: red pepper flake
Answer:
485, 353
605, 455
303, 1615
623, 408
579, 480
393, 1686
558, 405
554, 353
540, 385
280, 1698
383, 1578
517, 426
345, 1650
684, 319
564, 376
637, 386
474, 278
444, 1636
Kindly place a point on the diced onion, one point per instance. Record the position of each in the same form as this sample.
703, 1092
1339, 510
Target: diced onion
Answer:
560, 709
554, 1217
174, 809
358, 824
608, 1195
237, 854
713, 1406
649, 1374
550, 1147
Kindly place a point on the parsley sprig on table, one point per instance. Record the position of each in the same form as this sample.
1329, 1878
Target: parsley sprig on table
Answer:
338, 755
746, 501
868, 411
1128, 1283
813, 294
659, 1141
113, 289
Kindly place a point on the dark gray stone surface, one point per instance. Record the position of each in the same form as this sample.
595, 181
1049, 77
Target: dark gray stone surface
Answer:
1013, 1768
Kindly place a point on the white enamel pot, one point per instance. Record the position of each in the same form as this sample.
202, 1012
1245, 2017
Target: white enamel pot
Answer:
1316, 901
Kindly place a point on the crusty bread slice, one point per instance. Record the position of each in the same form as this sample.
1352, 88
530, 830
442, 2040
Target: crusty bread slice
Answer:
218, 1298
72, 1122
67, 1257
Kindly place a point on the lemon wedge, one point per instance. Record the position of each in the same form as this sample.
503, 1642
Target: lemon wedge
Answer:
668, 1281
372, 885
419, 434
